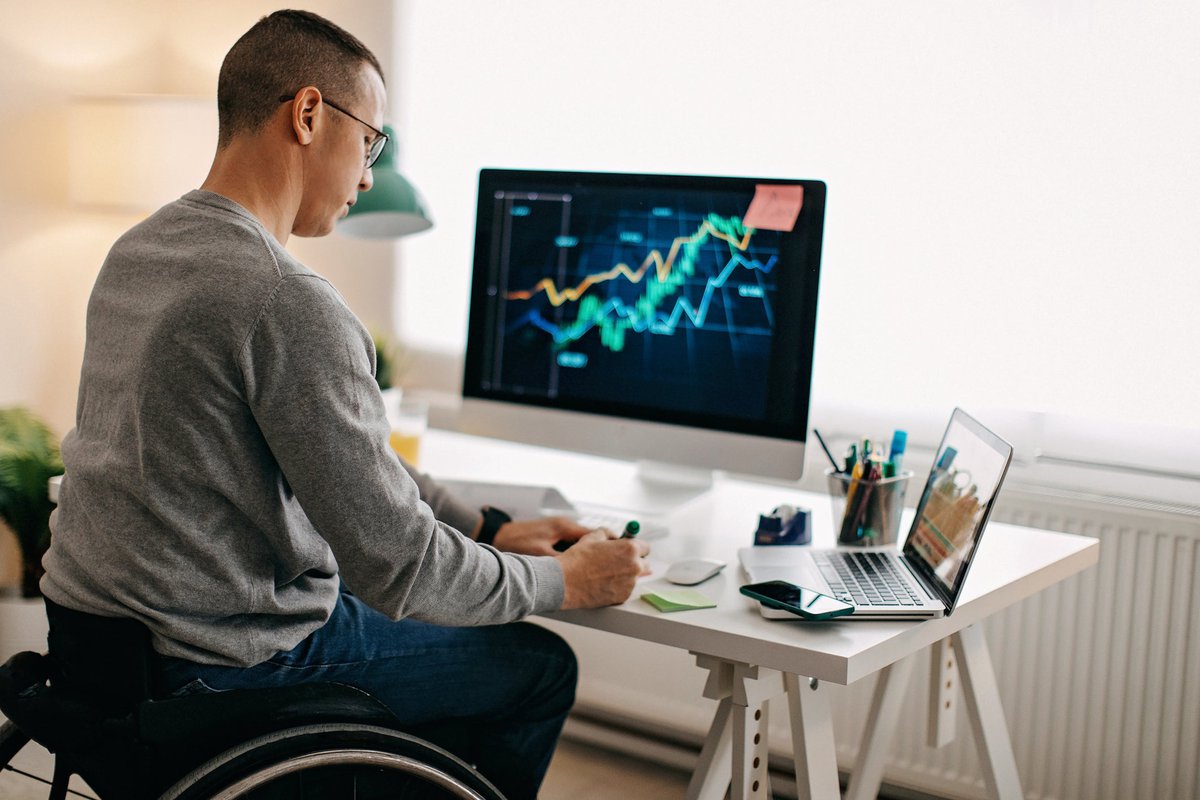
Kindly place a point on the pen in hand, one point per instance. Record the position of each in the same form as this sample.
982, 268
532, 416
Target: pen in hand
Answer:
632, 528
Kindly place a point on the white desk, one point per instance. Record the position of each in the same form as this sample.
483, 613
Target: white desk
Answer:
752, 660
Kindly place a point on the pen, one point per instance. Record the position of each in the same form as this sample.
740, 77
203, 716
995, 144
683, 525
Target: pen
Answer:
832, 460
874, 470
856, 474
631, 529
852, 523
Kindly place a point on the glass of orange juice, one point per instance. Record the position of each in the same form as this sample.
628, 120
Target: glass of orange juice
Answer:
409, 419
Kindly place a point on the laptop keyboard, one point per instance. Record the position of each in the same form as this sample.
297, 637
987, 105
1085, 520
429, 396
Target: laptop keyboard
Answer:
866, 579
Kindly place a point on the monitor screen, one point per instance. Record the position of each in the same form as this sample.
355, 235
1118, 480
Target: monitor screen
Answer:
680, 301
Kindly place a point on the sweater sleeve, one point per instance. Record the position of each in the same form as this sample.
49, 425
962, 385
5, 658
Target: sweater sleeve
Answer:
307, 368
446, 507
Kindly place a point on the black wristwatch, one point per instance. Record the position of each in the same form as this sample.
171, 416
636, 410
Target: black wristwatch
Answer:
493, 519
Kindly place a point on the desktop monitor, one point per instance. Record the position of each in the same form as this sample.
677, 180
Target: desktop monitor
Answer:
667, 319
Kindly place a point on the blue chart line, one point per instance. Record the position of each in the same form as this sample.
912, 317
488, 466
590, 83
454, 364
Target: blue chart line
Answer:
659, 323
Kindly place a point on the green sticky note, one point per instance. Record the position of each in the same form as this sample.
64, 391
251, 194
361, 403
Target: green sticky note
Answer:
678, 599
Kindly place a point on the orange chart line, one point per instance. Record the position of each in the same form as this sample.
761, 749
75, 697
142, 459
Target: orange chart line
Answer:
662, 266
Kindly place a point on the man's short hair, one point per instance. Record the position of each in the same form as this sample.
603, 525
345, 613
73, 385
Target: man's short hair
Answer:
284, 52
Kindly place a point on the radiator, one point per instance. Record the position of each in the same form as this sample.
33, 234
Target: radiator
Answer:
1099, 676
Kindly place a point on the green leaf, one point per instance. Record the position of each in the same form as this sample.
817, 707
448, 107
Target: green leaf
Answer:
390, 361
29, 457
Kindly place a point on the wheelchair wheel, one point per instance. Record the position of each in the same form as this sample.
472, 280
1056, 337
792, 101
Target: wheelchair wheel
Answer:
335, 760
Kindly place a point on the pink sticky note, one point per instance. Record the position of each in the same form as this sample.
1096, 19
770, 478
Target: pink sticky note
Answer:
774, 207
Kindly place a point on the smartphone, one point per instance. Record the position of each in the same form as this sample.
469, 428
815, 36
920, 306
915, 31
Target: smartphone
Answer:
807, 603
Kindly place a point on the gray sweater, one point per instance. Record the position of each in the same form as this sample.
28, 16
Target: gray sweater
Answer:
230, 462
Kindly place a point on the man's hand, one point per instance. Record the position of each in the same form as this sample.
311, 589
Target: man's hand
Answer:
601, 570
537, 537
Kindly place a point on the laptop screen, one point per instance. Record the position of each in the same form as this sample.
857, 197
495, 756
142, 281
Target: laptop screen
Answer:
959, 494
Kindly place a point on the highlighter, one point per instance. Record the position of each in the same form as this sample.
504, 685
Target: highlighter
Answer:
896, 451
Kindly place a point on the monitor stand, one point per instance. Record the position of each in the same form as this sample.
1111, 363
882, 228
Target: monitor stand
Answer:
658, 488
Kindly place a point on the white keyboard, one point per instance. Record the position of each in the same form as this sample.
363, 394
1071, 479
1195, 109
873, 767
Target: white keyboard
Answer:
614, 520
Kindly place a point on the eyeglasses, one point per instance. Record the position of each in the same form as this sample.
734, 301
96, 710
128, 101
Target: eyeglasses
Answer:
377, 144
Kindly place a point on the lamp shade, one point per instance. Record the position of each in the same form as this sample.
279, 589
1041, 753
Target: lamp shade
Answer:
138, 152
392, 208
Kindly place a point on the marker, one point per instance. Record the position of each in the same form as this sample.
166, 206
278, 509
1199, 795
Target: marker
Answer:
896, 451
631, 529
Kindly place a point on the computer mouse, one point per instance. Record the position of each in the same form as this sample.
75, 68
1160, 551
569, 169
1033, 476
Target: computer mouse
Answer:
691, 571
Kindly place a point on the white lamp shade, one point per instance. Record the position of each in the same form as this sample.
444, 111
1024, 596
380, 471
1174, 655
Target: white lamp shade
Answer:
139, 152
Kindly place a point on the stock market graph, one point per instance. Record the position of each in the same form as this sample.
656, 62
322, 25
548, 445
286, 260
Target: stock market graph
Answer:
666, 299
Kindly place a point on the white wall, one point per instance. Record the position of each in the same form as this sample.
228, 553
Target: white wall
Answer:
1012, 185
50, 251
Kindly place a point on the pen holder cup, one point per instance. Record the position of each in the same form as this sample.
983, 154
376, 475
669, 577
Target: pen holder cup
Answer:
867, 513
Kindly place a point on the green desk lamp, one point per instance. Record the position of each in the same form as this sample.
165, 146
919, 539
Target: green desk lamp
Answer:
392, 208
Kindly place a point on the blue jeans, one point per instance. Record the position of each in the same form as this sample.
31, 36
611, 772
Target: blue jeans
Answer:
495, 696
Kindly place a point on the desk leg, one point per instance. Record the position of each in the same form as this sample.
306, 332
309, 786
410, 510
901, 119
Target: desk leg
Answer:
735, 752
982, 697
943, 693
881, 722
813, 748
714, 770
711, 779
753, 688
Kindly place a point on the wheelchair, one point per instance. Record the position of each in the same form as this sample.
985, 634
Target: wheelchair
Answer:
90, 702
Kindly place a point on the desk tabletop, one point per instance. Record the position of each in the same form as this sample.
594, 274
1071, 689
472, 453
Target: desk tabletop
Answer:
1013, 563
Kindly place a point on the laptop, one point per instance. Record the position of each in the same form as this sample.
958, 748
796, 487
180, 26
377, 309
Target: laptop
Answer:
925, 578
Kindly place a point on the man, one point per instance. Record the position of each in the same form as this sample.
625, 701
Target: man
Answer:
229, 481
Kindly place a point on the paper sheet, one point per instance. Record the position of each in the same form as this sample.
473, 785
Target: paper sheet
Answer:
775, 207
666, 600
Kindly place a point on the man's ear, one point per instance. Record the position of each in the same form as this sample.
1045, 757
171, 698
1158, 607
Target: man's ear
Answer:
304, 112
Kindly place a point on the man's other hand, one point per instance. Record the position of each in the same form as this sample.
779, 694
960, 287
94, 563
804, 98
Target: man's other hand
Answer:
601, 570
537, 537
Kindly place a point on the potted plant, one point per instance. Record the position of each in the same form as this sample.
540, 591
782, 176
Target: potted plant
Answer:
389, 362
29, 457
